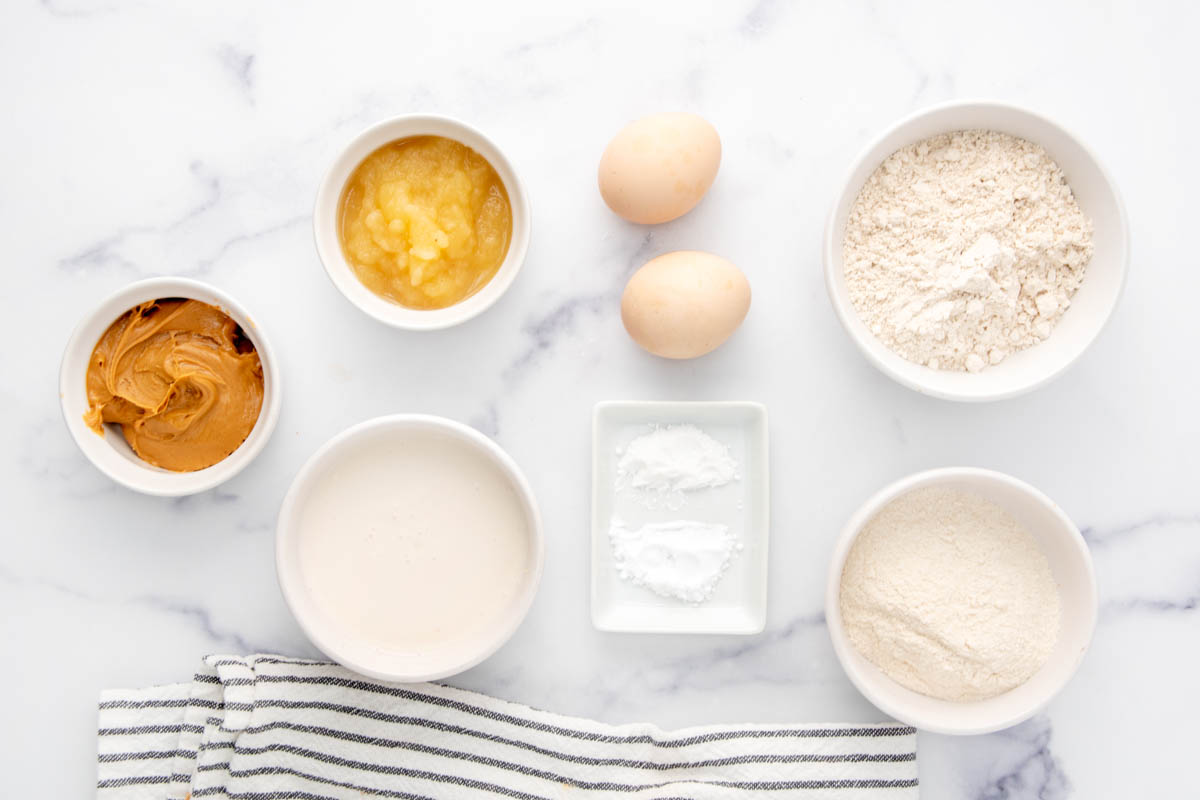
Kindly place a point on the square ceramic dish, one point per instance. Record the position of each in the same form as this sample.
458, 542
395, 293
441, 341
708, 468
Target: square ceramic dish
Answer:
739, 604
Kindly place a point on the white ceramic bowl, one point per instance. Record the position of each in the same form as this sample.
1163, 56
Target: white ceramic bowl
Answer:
1070, 562
111, 454
335, 640
329, 247
1092, 305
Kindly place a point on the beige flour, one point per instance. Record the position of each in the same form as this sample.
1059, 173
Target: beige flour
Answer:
949, 596
965, 247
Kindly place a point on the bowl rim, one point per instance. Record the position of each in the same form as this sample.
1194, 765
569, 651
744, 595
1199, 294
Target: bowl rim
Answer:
842, 646
328, 244
831, 244
153, 480
287, 570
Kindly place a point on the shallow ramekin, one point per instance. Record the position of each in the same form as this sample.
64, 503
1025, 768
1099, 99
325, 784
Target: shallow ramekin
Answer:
339, 644
329, 247
1070, 562
111, 454
1092, 305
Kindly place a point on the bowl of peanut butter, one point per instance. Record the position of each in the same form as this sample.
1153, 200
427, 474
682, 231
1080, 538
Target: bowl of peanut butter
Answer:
169, 387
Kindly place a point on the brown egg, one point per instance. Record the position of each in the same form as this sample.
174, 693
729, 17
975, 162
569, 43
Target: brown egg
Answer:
684, 304
659, 167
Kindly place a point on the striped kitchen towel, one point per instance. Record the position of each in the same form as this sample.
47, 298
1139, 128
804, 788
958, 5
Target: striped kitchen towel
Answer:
266, 727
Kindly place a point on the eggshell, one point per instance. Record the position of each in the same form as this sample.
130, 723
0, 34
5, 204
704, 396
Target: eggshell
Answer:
684, 304
659, 167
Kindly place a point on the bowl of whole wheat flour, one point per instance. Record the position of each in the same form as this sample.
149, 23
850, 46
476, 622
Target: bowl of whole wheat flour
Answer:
960, 600
975, 251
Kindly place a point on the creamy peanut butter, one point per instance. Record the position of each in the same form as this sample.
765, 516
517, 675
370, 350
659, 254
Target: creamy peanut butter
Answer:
180, 378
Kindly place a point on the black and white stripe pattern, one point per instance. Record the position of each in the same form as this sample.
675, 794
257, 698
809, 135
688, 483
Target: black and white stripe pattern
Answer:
265, 727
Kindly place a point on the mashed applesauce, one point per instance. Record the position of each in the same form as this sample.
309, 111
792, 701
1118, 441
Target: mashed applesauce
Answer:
425, 222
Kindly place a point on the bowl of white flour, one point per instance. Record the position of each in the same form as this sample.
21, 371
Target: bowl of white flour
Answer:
975, 251
960, 600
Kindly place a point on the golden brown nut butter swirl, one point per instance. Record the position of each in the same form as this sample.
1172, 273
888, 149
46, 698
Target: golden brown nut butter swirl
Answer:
180, 378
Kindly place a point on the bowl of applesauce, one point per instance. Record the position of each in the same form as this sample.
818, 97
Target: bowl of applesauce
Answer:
421, 222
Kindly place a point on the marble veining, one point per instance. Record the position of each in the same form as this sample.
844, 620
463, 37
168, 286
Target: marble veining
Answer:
160, 138
548, 328
240, 64
1031, 770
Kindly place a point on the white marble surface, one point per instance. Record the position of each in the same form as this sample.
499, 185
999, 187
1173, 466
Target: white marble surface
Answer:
143, 138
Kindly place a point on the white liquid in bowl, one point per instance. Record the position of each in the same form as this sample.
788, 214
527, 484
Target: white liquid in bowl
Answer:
414, 543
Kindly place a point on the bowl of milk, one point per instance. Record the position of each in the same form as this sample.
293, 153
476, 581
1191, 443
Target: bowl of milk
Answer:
409, 547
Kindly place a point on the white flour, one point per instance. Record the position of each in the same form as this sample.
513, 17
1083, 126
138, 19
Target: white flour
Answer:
683, 559
950, 596
663, 464
965, 247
